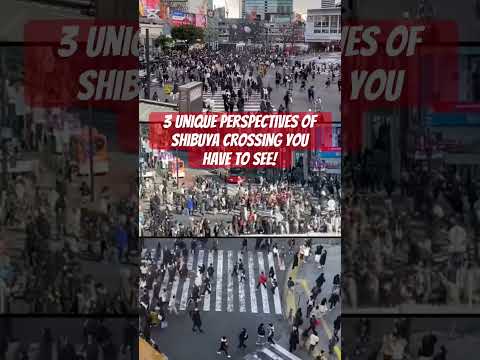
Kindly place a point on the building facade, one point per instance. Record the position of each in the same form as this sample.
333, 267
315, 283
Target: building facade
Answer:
264, 9
323, 26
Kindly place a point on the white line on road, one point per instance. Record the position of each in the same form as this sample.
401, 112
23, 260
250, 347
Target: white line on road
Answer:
241, 289
276, 296
281, 263
251, 283
218, 293
186, 284
261, 267
230, 281
206, 299
174, 289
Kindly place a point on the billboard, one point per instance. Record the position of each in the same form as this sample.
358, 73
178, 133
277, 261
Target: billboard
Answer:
178, 18
153, 9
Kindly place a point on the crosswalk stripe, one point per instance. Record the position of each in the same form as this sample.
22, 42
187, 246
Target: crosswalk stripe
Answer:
164, 283
241, 289
261, 268
206, 299
174, 289
251, 282
230, 282
225, 291
186, 284
276, 295
218, 293
281, 263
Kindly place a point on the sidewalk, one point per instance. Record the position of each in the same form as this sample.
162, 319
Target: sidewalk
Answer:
304, 277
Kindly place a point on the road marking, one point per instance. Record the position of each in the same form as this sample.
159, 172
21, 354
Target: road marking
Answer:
276, 295
251, 283
230, 282
164, 283
290, 295
241, 288
261, 268
206, 299
281, 263
186, 284
218, 293
327, 330
174, 289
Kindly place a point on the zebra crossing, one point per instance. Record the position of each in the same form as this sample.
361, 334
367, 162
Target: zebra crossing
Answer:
216, 101
228, 292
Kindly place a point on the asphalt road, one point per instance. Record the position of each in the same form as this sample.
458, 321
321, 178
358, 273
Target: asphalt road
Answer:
227, 322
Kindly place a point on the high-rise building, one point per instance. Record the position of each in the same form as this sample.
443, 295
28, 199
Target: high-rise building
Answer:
264, 9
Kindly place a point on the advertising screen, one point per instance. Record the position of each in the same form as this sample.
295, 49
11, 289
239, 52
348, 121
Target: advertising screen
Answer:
153, 9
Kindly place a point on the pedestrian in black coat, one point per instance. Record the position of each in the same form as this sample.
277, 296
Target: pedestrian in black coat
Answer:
294, 339
295, 260
242, 338
197, 321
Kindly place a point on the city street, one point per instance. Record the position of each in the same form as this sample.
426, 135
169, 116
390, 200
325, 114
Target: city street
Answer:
217, 216
233, 304
459, 336
27, 334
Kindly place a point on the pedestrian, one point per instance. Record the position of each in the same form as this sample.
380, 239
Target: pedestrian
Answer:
322, 355
260, 334
290, 284
271, 273
242, 275
274, 285
271, 333
207, 286
295, 261
235, 269
244, 245
298, 318
242, 338
240, 265
337, 323
323, 259
294, 339
313, 340
333, 300
191, 305
197, 321
210, 271
223, 347
172, 307
262, 280
320, 281
310, 305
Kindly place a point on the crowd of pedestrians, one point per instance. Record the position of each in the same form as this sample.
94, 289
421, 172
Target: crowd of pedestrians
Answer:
51, 227
88, 339
210, 209
412, 241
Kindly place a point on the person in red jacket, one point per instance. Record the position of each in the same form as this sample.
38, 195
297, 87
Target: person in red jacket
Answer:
262, 280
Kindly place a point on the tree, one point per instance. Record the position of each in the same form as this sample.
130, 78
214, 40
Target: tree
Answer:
187, 33
162, 41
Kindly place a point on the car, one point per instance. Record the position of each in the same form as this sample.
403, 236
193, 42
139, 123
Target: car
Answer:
236, 176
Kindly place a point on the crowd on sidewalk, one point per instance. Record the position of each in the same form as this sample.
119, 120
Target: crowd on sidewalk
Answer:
409, 242
49, 224
267, 207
